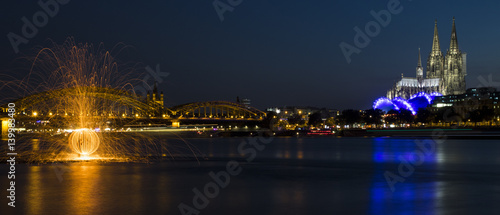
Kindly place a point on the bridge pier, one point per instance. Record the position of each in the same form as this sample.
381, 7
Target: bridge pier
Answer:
5, 128
176, 123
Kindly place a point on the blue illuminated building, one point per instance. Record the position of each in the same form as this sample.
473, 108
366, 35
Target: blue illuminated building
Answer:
416, 101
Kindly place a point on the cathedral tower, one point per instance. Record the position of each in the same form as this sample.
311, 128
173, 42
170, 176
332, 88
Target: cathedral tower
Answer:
454, 67
420, 70
436, 59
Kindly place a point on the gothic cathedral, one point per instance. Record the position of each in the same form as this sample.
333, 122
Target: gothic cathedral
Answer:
445, 74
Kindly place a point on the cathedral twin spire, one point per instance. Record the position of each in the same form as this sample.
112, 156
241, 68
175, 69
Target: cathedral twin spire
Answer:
450, 69
436, 49
454, 41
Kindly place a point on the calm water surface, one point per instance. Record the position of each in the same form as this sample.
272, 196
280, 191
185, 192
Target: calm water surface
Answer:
289, 176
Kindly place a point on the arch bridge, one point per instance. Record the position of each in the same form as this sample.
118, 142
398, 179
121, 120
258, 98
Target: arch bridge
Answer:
130, 105
217, 110
67, 98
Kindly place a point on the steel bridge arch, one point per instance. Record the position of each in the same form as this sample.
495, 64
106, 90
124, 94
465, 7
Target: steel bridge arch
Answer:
125, 98
191, 108
119, 96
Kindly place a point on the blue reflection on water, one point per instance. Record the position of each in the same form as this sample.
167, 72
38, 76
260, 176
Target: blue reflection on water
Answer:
413, 195
391, 150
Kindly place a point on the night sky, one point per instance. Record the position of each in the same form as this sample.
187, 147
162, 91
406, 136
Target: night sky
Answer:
276, 53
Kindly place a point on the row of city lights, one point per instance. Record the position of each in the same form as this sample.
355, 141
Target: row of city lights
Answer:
136, 115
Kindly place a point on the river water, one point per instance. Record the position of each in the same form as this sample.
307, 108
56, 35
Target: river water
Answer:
287, 176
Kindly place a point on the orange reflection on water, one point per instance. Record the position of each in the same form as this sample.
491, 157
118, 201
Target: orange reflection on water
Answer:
35, 144
34, 190
83, 182
300, 152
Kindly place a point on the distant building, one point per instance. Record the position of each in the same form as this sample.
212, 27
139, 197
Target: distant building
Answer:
274, 110
472, 99
445, 74
155, 100
303, 112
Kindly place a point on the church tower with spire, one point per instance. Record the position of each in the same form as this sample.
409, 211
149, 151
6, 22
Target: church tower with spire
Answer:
435, 60
453, 79
420, 70
155, 100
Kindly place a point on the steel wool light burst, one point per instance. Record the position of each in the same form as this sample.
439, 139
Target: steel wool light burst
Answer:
79, 87
84, 141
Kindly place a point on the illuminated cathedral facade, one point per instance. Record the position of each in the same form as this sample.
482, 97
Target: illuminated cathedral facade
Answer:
445, 74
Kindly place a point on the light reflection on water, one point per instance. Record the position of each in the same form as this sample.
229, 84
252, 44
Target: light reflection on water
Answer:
84, 186
35, 190
291, 175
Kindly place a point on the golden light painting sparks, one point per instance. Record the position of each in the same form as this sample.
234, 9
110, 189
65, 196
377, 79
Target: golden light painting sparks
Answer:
84, 141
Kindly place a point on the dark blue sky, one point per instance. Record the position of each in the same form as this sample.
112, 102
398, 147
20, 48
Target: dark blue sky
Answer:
275, 53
